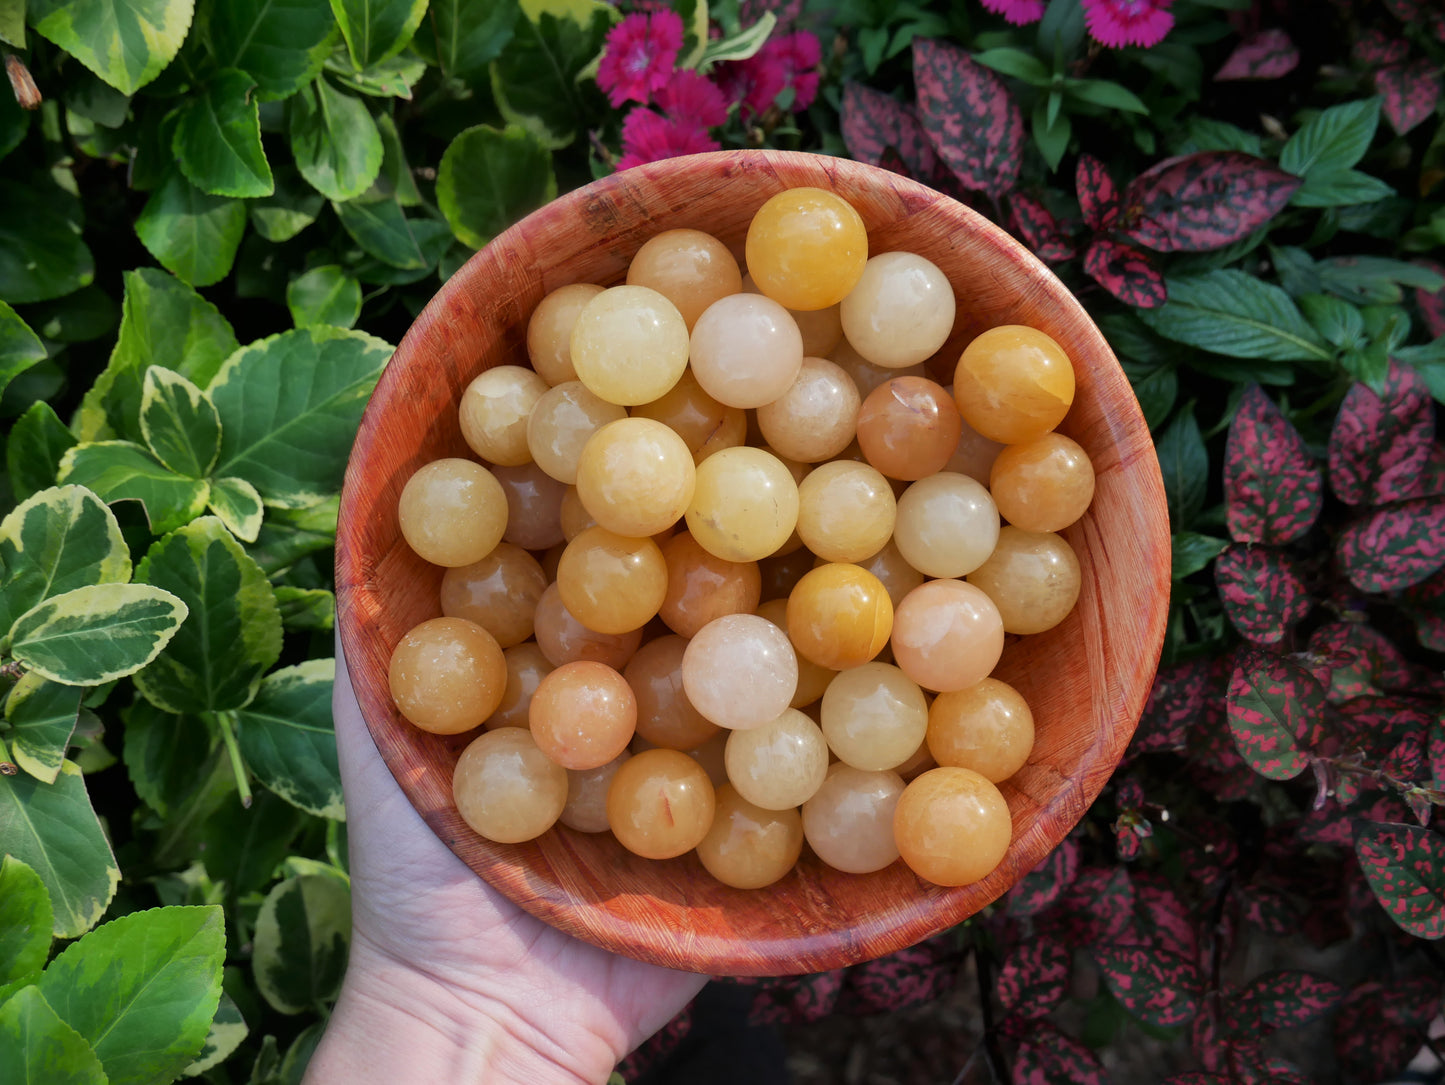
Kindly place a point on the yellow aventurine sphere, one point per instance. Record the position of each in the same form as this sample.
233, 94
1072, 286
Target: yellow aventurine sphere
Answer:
629, 345
806, 248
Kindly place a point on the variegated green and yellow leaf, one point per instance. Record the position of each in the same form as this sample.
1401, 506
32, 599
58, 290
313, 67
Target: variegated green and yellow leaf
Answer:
179, 423
125, 42
25, 920
96, 634
288, 741
42, 716
237, 505
301, 942
124, 471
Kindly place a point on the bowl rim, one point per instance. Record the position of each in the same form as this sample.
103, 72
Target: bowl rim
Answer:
888, 928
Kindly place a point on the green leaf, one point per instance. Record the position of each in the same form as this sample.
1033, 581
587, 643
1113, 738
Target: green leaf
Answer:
742, 45
382, 229
287, 739
1051, 135
306, 608
1185, 466
1368, 280
234, 635
12, 22
227, 1031
25, 920
57, 540
335, 141
96, 634
42, 717
1192, 552
488, 179
1102, 92
217, 142
194, 235
302, 937
179, 423
287, 536
390, 78
237, 505
42, 255
163, 322
161, 752
39, 1046
376, 29
395, 178
1332, 140
1231, 312
467, 35
289, 409
81, 317
38, 440
1017, 63
281, 44
142, 989
535, 80
1339, 188
124, 471
125, 42
1337, 321
247, 847
324, 295
289, 210
20, 348
53, 828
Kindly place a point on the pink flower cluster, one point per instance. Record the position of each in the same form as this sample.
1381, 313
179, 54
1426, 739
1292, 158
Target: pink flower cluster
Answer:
1115, 23
640, 65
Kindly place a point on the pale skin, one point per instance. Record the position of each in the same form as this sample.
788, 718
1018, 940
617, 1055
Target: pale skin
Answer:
450, 981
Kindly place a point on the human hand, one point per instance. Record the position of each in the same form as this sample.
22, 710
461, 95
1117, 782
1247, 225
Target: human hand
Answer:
450, 981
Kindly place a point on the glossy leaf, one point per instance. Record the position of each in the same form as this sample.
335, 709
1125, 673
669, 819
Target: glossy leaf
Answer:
1333, 140
217, 140
1287, 999
42, 255
38, 439
25, 920
1273, 491
289, 408
72, 855
39, 1046
383, 230
53, 542
1408, 93
1127, 272
125, 42
324, 295
301, 942
1098, 195
287, 211
1394, 547
225, 1034
20, 348
193, 234
1267, 54
142, 989
969, 115
1156, 987
1034, 977
1276, 711
161, 753
179, 423
1405, 865
1185, 466
377, 29
537, 80
42, 716
1231, 312
1048, 1057
334, 140
236, 504
1340, 188
306, 608
1031, 221
1204, 201
123, 471
281, 44
1263, 593
234, 635
465, 36
1378, 1027
489, 178
96, 634
287, 739
1043, 885
1380, 442
872, 122
1190, 552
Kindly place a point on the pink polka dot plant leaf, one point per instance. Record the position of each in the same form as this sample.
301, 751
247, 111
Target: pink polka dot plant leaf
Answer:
1183, 695
1382, 441
1408, 93
1276, 713
1161, 917
1376, 1030
1097, 192
1364, 660
1394, 547
1376, 48
1036, 226
872, 122
1034, 978
1425, 604
1046, 883
1049, 1057
1263, 593
1203, 201
1435, 752
1405, 866
1273, 490
1157, 987
1098, 908
1268, 54
972, 120
1279, 1000
1127, 272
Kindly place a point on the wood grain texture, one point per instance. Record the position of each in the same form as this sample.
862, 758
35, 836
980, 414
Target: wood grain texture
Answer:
1086, 680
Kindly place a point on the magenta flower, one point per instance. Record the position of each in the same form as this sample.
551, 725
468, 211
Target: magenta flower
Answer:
789, 61
754, 82
690, 98
1117, 23
1018, 12
647, 137
640, 54
798, 55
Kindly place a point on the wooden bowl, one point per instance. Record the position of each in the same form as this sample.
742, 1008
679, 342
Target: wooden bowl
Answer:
1086, 679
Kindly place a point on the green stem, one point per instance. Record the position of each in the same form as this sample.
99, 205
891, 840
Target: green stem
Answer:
228, 736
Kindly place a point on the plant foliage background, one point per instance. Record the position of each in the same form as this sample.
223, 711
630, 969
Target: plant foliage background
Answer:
217, 215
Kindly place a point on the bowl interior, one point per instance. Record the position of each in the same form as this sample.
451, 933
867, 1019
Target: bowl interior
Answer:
1086, 680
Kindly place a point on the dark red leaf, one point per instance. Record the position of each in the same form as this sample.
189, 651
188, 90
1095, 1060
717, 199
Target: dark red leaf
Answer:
1266, 55
1425, 604
1204, 1038
1380, 1026
1333, 825
1365, 660
1288, 999
1097, 908
1394, 547
1377, 725
1432, 303
1161, 918
1405, 865
1408, 92
1048, 1057
1380, 443
969, 115
1204, 201
1375, 49
1043, 885
907, 977
798, 999
1273, 489
1262, 592
873, 121
1128, 273
1157, 987
1038, 229
1432, 478
1098, 195
1176, 701
1270, 911
1276, 713
1034, 978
